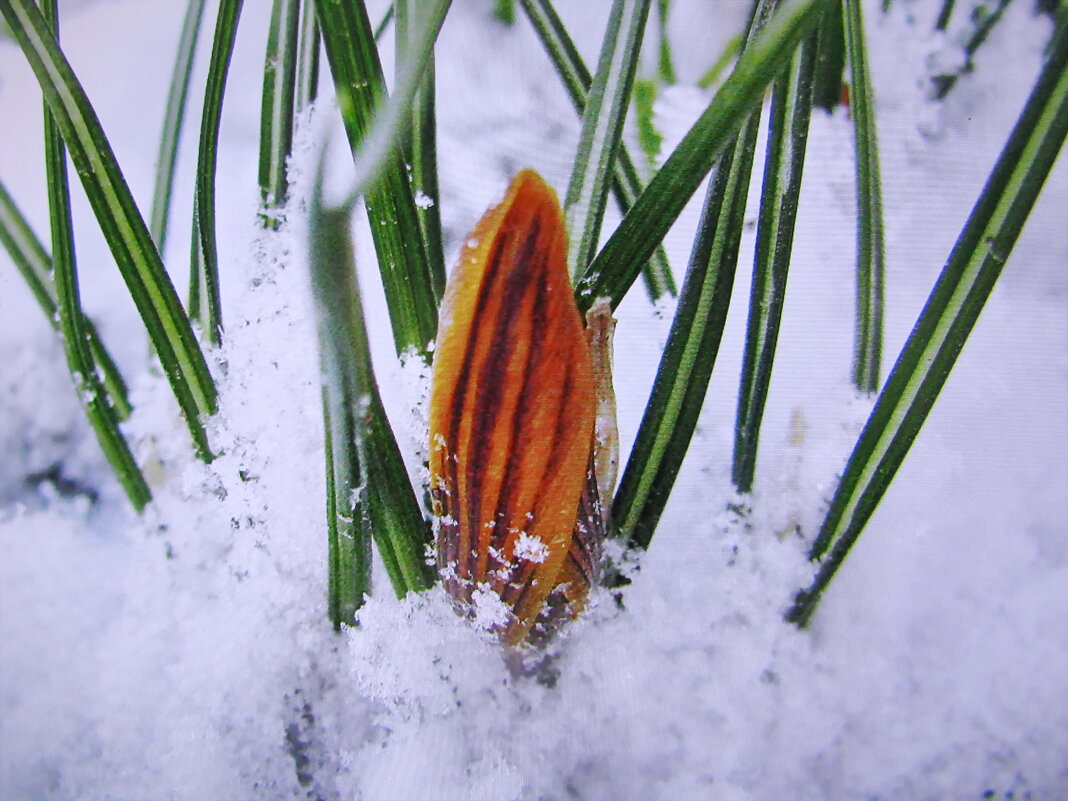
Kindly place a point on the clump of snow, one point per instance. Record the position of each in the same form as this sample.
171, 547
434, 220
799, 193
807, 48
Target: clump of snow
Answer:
530, 548
186, 654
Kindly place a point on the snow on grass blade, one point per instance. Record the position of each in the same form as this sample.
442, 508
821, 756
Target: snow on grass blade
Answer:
602, 125
307, 89
682, 378
943, 326
421, 144
791, 109
626, 185
87, 383
984, 18
407, 272
830, 60
371, 494
868, 342
645, 225
173, 115
35, 266
205, 301
119, 219
276, 110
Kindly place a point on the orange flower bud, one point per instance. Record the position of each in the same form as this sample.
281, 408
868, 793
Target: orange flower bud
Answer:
512, 424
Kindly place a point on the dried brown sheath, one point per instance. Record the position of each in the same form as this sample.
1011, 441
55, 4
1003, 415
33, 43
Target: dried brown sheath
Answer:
512, 414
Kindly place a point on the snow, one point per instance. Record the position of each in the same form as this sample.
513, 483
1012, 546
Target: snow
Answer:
186, 654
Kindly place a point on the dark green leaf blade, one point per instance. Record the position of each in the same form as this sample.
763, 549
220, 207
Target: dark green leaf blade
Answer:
277, 108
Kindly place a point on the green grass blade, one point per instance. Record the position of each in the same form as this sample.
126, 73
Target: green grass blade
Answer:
944, 15
665, 65
35, 266
682, 378
791, 109
730, 52
830, 63
947, 319
119, 219
173, 116
504, 11
276, 110
868, 342
421, 145
308, 56
602, 125
205, 301
87, 383
387, 17
619, 261
626, 184
363, 448
407, 275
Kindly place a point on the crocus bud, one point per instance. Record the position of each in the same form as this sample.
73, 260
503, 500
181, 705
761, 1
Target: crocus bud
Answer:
512, 425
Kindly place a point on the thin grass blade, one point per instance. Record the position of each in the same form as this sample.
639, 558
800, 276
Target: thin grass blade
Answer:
421, 142
205, 300
831, 59
119, 219
729, 54
791, 109
504, 11
665, 64
173, 116
685, 369
626, 184
947, 319
944, 15
412, 288
387, 17
308, 56
277, 108
617, 265
602, 125
87, 383
984, 18
868, 340
371, 493
35, 266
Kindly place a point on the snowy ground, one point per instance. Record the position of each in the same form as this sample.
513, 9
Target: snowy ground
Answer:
186, 654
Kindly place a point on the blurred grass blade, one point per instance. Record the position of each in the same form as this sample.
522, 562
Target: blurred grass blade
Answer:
504, 11
276, 110
387, 17
371, 493
35, 266
831, 58
984, 18
421, 142
664, 63
868, 343
121, 222
947, 319
205, 302
173, 116
944, 15
308, 56
619, 261
649, 138
412, 288
730, 52
602, 125
90, 388
626, 185
682, 378
791, 109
